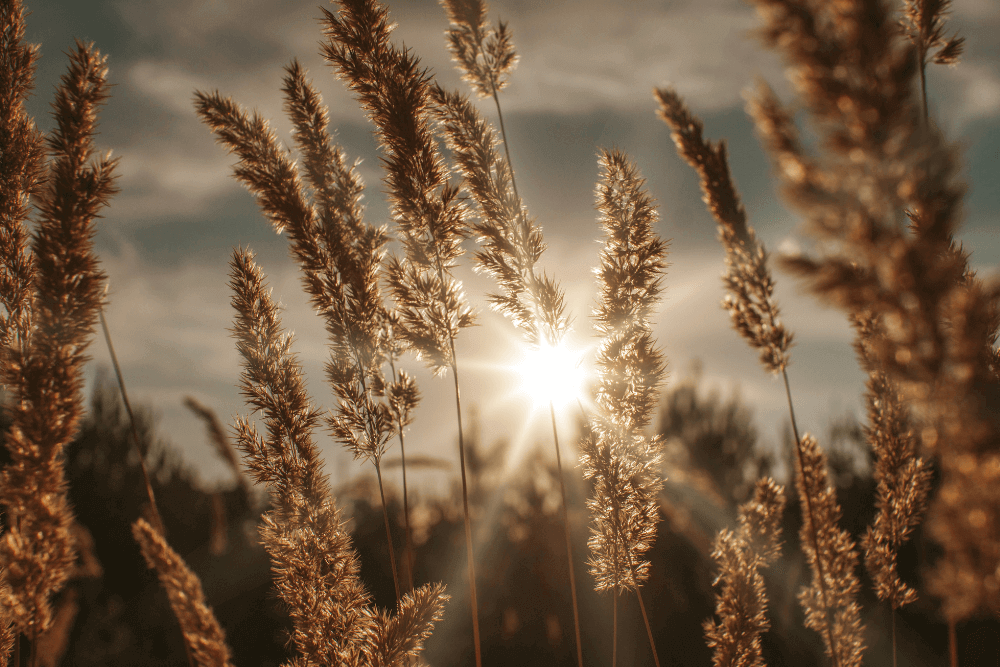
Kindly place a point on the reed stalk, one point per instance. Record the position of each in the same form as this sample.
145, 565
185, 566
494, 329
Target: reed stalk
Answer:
43, 363
430, 216
340, 256
513, 244
829, 601
316, 569
621, 460
879, 159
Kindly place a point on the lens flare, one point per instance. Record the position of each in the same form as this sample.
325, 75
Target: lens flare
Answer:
552, 373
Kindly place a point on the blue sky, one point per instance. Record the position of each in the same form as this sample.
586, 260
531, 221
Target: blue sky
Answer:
584, 81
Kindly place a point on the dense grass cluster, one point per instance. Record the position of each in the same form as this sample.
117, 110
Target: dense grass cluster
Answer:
879, 192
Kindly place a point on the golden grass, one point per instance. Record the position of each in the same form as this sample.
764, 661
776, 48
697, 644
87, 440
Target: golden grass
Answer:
926, 326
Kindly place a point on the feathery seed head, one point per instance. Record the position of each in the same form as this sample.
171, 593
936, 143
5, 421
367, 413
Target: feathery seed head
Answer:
511, 242
485, 55
45, 372
750, 301
741, 602
624, 464
430, 216
203, 635
830, 600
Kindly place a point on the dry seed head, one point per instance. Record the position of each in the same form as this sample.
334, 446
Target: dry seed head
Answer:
750, 301
430, 216
203, 635
511, 242
23, 151
623, 463
45, 373
879, 159
741, 602
923, 24
830, 600
903, 479
485, 55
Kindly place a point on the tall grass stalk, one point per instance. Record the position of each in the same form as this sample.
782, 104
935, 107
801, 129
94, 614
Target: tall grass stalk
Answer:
44, 369
154, 510
513, 244
741, 602
341, 259
316, 569
829, 602
430, 216
879, 160
622, 462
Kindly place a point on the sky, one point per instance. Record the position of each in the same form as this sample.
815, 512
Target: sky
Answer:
584, 82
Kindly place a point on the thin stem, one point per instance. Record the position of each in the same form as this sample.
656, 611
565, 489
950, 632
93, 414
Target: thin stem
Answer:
569, 542
372, 429
157, 519
952, 643
17, 648
614, 627
465, 506
408, 544
923, 84
893, 638
812, 525
642, 608
506, 150
388, 532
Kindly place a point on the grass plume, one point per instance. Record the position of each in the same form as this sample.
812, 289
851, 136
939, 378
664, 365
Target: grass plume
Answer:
340, 257
22, 155
923, 24
750, 301
755, 316
316, 569
203, 636
829, 600
45, 374
741, 602
431, 218
511, 243
622, 462
903, 479
878, 162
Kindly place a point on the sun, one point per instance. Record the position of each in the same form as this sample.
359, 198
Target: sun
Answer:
552, 373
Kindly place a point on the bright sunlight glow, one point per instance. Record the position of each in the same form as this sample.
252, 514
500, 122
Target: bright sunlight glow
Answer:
552, 374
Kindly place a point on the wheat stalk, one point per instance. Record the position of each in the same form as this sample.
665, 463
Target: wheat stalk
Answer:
316, 570
622, 462
741, 602
45, 373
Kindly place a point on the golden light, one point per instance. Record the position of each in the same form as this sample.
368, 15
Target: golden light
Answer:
552, 373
